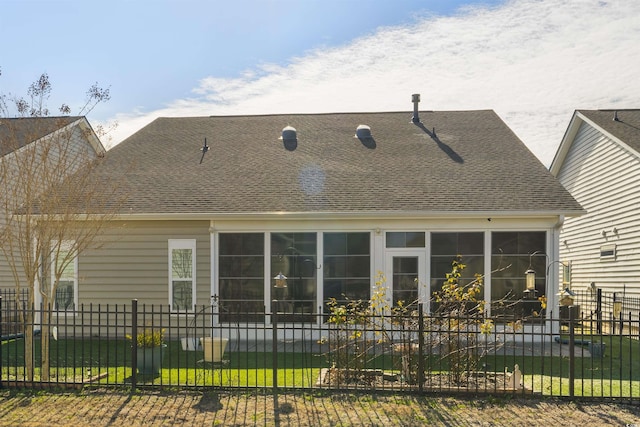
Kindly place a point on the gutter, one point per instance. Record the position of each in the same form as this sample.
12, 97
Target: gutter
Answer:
488, 215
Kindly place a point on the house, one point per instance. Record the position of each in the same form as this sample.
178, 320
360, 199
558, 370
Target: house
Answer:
598, 162
300, 208
35, 153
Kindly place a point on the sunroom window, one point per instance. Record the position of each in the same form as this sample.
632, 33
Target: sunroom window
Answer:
446, 247
294, 255
241, 276
513, 253
347, 266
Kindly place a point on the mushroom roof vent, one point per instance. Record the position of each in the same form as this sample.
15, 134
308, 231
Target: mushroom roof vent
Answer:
289, 133
363, 132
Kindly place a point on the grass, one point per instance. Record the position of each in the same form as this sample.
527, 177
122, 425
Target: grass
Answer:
617, 374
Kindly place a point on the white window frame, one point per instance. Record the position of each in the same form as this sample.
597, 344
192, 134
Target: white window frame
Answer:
182, 244
65, 245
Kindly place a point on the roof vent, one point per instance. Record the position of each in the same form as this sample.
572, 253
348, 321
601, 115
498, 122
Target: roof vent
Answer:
415, 98
615, 117
289, 133
363, 132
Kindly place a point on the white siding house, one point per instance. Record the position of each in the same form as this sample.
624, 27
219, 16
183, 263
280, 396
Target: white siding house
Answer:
598, 162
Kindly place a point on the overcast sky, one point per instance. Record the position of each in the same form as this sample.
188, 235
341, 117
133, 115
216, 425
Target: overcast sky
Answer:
532, 61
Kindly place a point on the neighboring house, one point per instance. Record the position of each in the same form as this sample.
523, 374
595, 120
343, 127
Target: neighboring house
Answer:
328, 200
598, 162
64, 136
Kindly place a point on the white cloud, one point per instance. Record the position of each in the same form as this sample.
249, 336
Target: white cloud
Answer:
533, 62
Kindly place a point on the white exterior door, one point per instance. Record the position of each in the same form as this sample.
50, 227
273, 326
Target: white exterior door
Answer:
406, 276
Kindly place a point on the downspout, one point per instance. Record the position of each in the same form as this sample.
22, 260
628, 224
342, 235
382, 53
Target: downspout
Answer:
552, 298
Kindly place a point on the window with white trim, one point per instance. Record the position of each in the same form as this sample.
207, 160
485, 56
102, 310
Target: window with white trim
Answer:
182, 268
66, 269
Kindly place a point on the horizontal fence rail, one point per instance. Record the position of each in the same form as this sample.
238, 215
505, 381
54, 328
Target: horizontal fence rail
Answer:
564, 353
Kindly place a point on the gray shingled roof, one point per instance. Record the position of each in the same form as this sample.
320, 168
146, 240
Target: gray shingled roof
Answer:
456, 161
18, 132
626, 128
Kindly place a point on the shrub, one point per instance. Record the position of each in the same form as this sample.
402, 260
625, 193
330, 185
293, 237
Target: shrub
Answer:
149, 337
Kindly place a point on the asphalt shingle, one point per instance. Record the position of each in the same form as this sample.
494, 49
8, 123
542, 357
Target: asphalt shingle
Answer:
453, 161
17, 132
626, 128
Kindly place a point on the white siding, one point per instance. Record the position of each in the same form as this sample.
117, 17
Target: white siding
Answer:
604, 178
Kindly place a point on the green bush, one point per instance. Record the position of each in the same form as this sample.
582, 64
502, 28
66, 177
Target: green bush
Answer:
149, 337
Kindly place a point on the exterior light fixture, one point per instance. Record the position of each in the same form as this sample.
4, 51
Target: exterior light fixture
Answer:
281, 281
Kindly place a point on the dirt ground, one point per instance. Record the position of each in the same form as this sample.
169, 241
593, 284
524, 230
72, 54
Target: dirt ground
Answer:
112, 408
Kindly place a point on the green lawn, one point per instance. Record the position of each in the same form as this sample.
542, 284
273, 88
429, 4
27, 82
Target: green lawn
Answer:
615, 374
109, 362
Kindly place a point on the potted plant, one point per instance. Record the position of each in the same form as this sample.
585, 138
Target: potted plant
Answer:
151, 347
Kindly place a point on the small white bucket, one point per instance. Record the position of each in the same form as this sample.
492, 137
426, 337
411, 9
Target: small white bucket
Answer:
213, 348
191, 344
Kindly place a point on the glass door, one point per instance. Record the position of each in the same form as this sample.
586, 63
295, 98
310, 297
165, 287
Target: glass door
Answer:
406, 276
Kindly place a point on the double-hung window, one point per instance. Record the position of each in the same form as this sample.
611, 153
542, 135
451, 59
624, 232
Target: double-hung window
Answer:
65, 269
182, 280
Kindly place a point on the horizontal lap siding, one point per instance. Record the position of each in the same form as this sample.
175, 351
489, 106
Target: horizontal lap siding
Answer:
604, 178
133, 263
79, 151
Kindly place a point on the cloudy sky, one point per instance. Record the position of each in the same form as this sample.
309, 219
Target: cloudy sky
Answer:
532, 61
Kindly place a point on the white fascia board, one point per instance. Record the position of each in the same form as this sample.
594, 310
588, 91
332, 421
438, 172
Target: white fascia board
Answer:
565, 143
348, 215
91, 135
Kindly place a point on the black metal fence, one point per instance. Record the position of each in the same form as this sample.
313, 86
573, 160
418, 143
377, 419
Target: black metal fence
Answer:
115, 345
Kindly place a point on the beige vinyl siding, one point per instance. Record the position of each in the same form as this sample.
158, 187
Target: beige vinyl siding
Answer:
7, 281
79, 151
604, 178
133, 263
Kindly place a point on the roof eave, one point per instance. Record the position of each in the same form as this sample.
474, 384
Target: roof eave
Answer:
565, 143
350, 215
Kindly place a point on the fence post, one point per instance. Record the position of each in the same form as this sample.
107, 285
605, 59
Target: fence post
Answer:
134, 344
420, 347
274, 346
0, 335
599, 311
572, 361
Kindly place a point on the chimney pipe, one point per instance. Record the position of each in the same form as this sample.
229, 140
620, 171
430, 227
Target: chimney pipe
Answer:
415, 98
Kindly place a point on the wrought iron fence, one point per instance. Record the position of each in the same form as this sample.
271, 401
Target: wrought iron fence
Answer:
413, 352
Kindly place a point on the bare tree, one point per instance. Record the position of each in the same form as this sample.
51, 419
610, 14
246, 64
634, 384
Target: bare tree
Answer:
52, 207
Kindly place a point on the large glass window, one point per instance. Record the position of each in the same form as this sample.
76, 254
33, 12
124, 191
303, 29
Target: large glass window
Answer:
182, 267
294, 255
511, 255
67, 290
445, 247
347, 266
241, 277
